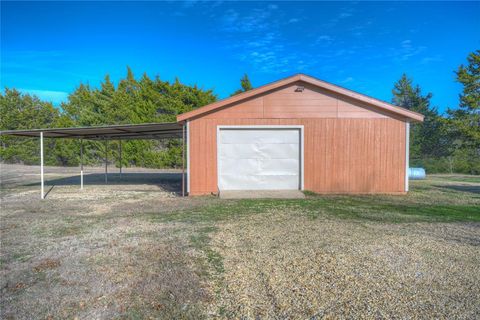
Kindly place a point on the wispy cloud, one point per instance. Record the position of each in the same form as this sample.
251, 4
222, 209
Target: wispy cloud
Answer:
257, 20
55, 97
323, 40
427, 60
408, 50
344, 15
324, 37
347, 80
267, 54
260, 41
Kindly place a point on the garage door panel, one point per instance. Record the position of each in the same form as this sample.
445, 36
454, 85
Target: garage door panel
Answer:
276, 151
259, 136
279, 167
258, 150
259, 159
239, 151
260, 166
240, 166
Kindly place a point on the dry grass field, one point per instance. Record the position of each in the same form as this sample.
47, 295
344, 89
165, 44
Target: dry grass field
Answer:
135, 249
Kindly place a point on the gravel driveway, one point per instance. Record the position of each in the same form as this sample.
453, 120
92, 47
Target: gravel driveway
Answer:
280, 266
134, 249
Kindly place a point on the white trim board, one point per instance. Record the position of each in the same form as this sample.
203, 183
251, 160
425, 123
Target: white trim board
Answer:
246, 127
188, 156
407, 153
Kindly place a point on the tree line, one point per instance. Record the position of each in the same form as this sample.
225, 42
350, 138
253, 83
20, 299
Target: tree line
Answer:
447, 142
132, 101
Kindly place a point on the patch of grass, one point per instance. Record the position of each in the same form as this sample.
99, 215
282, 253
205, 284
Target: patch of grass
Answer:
471, 179
216, 260
58, 231
374, 210
68, 226
371, 208
131, 234
309, 193
133, 314
200, 240
388, 209
21, 256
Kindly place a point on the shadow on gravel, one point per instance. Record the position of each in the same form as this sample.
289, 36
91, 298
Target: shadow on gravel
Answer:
471, 189
171, 182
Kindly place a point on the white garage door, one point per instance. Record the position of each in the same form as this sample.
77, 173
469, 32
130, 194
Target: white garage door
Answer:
259, 159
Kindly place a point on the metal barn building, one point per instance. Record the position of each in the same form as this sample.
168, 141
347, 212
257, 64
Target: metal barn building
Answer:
299, 133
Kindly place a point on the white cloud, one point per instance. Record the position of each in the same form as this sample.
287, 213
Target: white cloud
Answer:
324, 37
55, 97
427, 60
344, 15
323, 40
258, 39
408, 50
256, 20
347, 80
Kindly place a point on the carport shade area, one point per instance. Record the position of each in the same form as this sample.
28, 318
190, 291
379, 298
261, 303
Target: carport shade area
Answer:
106, 133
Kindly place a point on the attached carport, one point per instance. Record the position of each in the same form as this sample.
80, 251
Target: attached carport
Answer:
106, 133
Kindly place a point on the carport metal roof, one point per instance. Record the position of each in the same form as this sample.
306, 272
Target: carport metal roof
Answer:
115, 132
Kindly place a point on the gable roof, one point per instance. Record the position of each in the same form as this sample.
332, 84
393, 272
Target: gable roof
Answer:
381, 105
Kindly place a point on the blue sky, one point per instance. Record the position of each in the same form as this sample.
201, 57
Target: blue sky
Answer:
48, 48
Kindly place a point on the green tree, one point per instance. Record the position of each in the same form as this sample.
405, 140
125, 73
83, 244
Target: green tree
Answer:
427, 139
245, 84
23, 111
143, 100
467, 117
464, 122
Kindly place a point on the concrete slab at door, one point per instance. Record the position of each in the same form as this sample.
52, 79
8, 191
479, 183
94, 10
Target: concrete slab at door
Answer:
262, 194
259, 159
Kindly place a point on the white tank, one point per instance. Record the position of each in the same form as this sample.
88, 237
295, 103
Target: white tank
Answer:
416, 173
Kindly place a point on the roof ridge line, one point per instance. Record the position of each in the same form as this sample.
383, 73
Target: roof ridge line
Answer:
308, 79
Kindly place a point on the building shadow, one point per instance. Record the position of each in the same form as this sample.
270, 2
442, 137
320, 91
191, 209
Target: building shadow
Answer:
171, 182
461, 188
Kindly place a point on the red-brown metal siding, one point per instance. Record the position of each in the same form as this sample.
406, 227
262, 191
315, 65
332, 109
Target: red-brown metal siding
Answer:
349, 147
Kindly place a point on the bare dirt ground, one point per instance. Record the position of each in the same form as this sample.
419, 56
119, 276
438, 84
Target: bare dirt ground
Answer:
93, 253
134, 249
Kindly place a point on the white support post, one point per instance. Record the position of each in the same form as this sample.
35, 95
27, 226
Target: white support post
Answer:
407, 153
81, 164
106, 161
41, 166
120, 151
